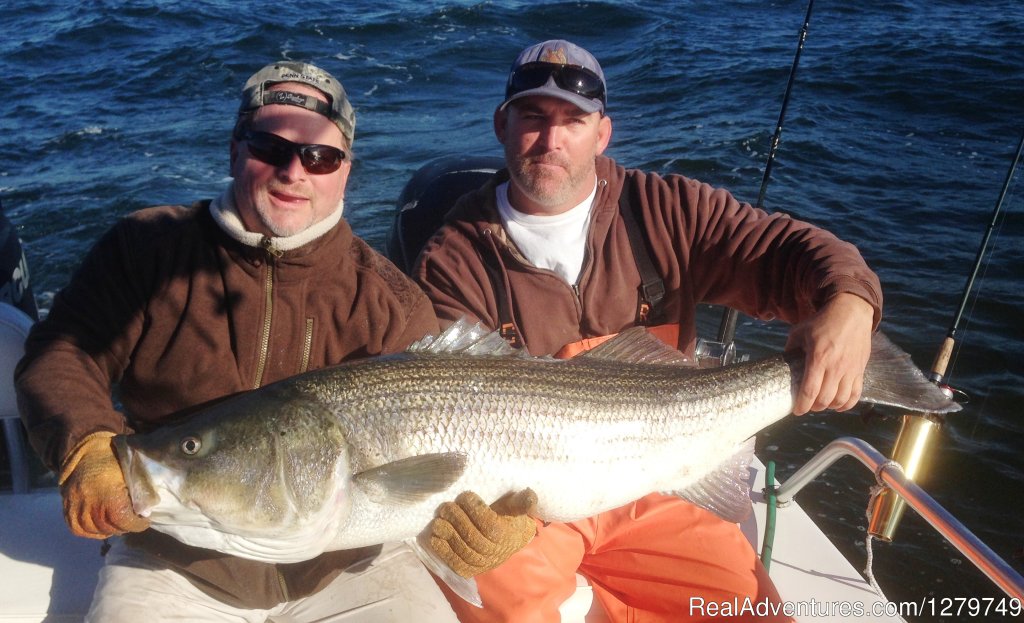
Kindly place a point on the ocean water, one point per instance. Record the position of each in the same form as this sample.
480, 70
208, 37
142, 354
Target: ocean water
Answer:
903, 121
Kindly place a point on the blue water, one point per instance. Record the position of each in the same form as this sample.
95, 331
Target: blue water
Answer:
899, 135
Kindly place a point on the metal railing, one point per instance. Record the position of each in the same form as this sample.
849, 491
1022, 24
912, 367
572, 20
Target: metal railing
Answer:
890, 475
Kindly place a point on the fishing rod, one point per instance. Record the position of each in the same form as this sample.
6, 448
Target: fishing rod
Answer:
727, 327
918, 430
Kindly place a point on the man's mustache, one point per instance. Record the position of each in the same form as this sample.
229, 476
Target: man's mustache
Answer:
548, 159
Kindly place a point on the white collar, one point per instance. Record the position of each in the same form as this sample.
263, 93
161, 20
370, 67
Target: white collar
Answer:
224, 212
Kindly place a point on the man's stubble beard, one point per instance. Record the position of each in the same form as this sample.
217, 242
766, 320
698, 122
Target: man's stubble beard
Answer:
543, 188
265, 212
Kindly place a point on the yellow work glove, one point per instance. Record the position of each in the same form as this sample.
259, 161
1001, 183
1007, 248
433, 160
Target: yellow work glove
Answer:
472, 537
96, 500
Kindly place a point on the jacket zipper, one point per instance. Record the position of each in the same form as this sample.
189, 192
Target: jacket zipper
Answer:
588, 254
579, 299
268, 289
283, 584
584, 269
273, 254
307, 345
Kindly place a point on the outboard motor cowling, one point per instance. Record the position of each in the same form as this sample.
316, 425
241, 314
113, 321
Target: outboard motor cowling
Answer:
15, 288
428, 196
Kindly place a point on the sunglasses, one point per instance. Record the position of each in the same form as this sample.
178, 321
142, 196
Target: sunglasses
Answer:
578, 80
278, 152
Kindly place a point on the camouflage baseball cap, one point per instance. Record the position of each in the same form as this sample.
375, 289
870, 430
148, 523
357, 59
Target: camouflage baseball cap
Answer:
255, 93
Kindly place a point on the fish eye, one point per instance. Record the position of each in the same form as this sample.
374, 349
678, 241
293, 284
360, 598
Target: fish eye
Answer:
191, 445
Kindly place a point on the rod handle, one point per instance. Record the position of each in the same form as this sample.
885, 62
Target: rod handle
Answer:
941, 363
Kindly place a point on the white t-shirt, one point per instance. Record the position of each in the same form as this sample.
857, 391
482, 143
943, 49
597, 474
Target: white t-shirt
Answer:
556, 242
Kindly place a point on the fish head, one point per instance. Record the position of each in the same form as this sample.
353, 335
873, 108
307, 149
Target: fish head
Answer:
260, 464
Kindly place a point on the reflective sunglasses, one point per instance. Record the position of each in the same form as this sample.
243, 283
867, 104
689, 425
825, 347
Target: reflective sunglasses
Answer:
578, 80
278, 152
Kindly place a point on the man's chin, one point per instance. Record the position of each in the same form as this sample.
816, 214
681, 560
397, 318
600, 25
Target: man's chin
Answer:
283, 225
545, 182
549, 195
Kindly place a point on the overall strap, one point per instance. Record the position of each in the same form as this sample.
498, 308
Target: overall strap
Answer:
506, 322
652, 287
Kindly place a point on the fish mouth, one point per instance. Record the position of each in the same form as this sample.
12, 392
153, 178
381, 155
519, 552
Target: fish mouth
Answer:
140, 487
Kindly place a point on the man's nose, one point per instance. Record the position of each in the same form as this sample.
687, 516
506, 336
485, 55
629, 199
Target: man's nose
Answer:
293, 169
551, 134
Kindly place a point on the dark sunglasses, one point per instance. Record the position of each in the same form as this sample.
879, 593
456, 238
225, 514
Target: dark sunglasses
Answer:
278, 152
578, 80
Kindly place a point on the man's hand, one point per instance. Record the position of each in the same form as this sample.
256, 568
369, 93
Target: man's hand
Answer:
96, 500
836, 342
471, 537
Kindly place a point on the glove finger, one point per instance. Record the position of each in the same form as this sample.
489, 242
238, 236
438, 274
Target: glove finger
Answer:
457, 564
471, 524
441, 526
455, 546
465, 553
487, 522
455, 520
519, 531
461, 535
522, 502
123, 519
495, 532
84, 522
489, 534
450, 524
96, 508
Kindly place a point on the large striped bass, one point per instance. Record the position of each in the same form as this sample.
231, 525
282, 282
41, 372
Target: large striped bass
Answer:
364, 452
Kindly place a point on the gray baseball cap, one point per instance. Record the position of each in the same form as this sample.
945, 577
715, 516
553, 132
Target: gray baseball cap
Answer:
255, 93
558, 68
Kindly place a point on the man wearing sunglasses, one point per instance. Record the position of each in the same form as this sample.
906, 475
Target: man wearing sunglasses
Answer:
565, 247
181, 306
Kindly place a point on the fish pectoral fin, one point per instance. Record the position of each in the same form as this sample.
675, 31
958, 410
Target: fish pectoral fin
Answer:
725, 491
412, 479
463, 587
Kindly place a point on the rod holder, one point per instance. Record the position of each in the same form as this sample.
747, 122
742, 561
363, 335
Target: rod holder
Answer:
912, 450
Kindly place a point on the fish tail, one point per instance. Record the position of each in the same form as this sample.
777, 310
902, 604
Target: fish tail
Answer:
891, 378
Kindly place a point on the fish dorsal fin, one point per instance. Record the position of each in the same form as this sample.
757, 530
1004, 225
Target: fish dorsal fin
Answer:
465, 338
636, 345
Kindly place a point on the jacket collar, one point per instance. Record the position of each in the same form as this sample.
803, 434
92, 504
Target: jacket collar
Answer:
225, 214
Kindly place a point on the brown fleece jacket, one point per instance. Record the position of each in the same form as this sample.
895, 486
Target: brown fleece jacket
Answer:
174, 313
707, 246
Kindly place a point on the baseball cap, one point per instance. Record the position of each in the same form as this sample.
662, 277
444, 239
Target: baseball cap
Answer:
558, 68
338, 110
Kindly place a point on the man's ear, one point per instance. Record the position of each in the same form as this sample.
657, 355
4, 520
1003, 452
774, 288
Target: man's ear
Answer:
604, 133
500, 123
